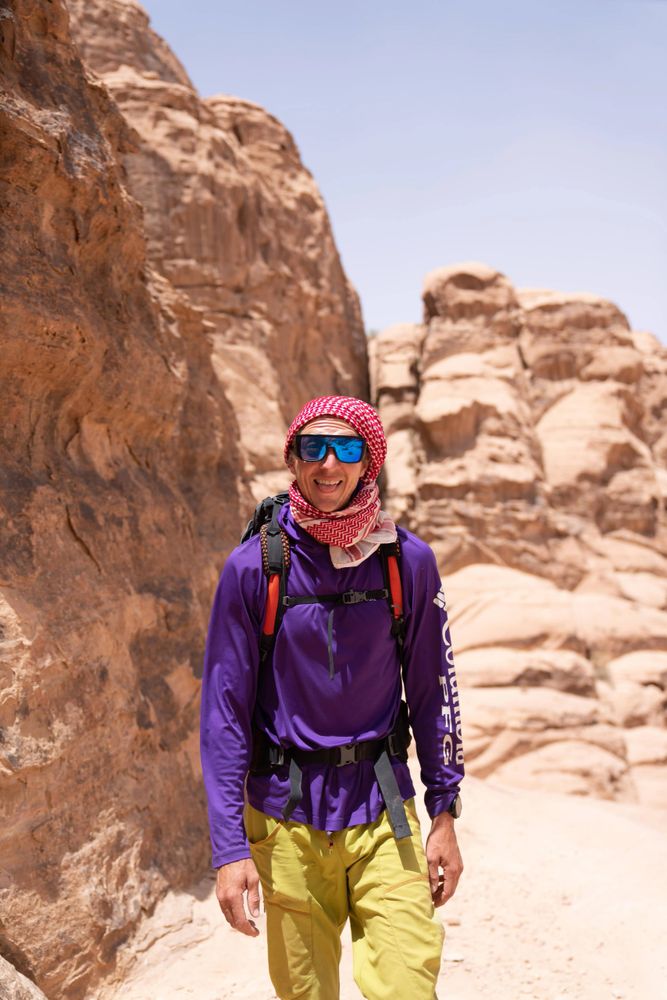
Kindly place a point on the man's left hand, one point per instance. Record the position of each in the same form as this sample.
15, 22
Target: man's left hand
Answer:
444, 859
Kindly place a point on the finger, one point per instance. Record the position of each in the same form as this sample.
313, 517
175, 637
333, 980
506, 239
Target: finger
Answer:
239, 919
451, 880
227, 906
253, 898
437, 894
449, 888
224, 902
433, 875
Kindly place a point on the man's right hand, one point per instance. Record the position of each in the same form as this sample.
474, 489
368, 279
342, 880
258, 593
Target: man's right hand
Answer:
233, 880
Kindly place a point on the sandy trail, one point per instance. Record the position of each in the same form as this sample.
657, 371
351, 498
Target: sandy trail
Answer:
562, 898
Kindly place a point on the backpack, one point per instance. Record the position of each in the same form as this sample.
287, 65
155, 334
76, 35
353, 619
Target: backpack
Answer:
275, 549
276, 561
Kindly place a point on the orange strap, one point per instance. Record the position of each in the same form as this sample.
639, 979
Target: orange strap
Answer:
272, 598
395, 586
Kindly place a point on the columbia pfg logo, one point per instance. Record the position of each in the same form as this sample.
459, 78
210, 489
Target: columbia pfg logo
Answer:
439, 600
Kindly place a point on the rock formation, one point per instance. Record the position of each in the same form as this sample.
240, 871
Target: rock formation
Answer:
14, 986
238, 226
528, 444
139, 344
171, 293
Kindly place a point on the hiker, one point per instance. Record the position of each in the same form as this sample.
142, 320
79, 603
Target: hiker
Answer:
304, 735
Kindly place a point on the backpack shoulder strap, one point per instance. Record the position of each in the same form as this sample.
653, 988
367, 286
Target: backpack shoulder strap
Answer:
275, 563
263, 513
390, 554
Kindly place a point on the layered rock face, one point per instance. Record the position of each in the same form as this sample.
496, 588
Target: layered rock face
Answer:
238, 225
528, 444
14, 986
122, 479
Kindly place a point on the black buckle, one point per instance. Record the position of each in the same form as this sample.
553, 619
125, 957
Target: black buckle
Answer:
276, 756
354, 597
396, 746
348, 754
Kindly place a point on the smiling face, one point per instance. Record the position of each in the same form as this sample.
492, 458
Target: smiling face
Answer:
329, 484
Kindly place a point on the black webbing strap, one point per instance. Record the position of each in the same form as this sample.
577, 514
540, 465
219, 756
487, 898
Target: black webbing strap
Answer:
273, 556
384, 773
267, 755
264, 511
346, 598
295, 790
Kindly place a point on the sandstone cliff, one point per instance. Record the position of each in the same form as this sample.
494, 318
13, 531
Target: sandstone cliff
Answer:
238, 225
171, 293
130, 337
528, 444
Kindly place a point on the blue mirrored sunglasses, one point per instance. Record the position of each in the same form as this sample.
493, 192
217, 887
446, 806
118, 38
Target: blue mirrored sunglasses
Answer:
314, 447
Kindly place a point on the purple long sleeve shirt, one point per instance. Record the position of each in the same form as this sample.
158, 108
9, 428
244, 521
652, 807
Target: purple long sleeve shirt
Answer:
296, 702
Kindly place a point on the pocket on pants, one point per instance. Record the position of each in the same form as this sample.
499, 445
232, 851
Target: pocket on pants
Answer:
418, 933
290, 944
259, 827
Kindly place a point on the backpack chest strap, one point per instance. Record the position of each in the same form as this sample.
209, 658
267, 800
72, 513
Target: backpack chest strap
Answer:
347, 598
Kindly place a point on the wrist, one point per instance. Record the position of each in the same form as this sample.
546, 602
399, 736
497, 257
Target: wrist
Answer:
452, 810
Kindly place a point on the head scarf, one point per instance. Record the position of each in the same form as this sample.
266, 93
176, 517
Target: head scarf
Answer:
357, 530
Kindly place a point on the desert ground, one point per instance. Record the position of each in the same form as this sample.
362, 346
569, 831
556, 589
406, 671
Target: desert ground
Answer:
562, 898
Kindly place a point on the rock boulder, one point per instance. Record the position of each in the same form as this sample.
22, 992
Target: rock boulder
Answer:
527, 444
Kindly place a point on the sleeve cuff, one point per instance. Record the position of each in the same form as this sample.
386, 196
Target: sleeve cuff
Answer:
436, 804
220, 858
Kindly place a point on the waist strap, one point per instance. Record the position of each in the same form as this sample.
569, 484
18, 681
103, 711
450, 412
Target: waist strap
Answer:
268, 755
348, 753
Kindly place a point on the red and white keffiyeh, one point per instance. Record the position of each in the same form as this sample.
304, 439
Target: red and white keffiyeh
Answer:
356, 531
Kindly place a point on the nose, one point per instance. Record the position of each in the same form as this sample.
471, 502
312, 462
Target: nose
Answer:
329, 461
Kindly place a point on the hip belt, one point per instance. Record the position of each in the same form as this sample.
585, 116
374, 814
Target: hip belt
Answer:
268, 756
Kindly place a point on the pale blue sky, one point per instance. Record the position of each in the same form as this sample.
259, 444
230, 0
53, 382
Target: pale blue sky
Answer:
525, 134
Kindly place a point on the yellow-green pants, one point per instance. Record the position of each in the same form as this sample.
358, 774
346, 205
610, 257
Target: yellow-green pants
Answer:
313, 881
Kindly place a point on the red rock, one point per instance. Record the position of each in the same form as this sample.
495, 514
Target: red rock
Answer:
131, 333
237, 224
528, 445
14, 986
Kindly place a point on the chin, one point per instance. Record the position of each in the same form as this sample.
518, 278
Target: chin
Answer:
329, 504
326, 507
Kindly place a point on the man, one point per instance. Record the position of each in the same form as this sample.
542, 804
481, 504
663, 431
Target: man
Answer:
323, 824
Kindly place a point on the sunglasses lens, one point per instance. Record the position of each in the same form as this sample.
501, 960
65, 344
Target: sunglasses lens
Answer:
314, 447
311, 447
348, 449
